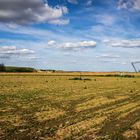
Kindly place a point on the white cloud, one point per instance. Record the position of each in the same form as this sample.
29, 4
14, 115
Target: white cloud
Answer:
129, 4
107, 56
89, 3
42, 36
73, 1
11, 25
77, 45
106, 19
12, 53
72, 45
136, 5
13, 50
124, 63
30, 11
122, 4
109, 60
51, 43
123, 43
60, 21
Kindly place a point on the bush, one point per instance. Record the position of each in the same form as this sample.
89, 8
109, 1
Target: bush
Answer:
76, 78
79, 78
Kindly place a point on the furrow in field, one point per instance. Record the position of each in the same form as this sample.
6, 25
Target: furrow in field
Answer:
100, 101
99, 114
47, 113
74, 129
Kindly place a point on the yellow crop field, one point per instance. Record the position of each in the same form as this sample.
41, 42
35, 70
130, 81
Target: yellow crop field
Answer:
61, 107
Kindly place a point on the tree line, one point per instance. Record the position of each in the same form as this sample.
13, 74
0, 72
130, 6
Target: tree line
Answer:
4, 68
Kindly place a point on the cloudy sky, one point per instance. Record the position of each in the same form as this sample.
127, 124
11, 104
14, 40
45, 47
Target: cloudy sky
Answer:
88, 35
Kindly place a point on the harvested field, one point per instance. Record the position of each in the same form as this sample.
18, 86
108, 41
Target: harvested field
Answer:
53, 107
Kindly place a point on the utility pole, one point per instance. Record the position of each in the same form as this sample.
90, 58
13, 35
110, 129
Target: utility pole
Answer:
134, 67
133, 64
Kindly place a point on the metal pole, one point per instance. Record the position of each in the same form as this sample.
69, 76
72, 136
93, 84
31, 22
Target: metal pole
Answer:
134, 67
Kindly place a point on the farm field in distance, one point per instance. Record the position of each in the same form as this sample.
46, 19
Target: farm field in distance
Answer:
57, 106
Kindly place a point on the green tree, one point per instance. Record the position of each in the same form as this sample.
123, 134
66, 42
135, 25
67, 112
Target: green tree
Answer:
2, 68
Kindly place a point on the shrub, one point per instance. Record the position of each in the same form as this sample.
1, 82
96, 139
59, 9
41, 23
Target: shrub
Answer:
76, 78
79, 78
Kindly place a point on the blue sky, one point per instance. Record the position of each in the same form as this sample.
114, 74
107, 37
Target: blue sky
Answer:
87, 35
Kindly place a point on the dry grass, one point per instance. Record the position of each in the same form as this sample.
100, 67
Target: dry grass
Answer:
48, 113
50, 106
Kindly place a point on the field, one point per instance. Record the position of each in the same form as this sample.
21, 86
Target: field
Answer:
57, 107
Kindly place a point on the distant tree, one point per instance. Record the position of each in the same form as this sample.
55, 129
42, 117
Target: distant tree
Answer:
2, 68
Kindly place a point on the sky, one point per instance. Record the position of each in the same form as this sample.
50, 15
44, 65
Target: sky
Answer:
71, 35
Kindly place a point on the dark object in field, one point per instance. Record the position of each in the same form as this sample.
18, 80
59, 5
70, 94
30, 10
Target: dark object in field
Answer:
87, 79
85, 87
79, 78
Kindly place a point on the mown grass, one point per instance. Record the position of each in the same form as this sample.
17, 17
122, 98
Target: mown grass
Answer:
54, 107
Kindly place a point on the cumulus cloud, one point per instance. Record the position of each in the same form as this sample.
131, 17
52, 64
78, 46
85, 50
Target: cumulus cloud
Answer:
7, 51
30, 11
129, 4
72, 45
123, 43
78, 45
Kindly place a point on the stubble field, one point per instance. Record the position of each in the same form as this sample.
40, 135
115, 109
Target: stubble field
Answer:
47, 107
